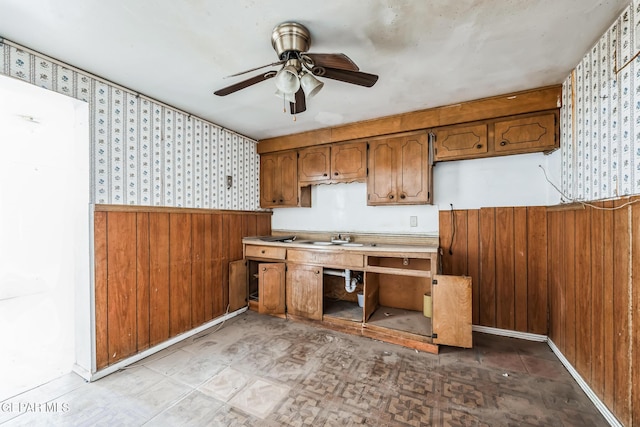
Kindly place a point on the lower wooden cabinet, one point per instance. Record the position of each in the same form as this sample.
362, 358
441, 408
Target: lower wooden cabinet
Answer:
271, 279
452, 322
304, 291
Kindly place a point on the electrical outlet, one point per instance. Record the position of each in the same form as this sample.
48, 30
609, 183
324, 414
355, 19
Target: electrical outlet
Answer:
413, 221
229, 181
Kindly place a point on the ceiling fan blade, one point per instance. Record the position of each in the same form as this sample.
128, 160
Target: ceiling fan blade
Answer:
333, 60
245, 83
300, 105
353, 77
273, 64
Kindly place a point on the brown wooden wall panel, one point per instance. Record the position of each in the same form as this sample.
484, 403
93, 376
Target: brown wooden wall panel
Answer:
635, 306
209, 259
158, 277
505, 266
160, 272
473, 262
179, 273
608, 311
583, 293
504, 250
594, 289
121, 285
568, 277
579, 265
197, 269
487, 267
100, 290
520, 254
537, 270
142, 285
598, 350
621, 324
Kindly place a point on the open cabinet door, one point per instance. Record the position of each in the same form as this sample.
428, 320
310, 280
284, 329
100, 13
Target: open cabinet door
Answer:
237, 285
451, 296
271, 282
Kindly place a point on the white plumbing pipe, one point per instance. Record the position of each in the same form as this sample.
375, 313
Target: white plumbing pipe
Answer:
349, 282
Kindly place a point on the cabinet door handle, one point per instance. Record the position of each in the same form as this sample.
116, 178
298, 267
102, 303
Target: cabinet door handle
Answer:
264, 268
273, 201
479, 146
503, 143
390, 196
324, 174
403, 196
336, 173
281, 200
317, 271
262, 251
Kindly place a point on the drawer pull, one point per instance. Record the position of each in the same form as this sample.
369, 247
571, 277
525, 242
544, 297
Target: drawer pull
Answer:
503, 143
262, 251
479, 146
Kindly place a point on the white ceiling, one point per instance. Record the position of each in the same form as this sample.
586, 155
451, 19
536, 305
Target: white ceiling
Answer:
427, 53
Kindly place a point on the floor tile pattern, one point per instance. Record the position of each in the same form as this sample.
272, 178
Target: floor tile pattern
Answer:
259, 370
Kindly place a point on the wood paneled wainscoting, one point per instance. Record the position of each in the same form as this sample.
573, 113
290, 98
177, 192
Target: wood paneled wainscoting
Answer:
504, 251
581, 265
594, 299
160, 272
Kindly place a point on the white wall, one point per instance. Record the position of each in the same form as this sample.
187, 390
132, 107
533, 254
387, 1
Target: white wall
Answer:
467, 184
44, 230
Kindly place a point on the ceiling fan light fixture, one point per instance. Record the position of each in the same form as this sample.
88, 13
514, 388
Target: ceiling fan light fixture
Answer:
287, 80
310, 85
289, 97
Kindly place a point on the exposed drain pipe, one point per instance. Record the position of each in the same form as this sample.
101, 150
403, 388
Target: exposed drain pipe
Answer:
349, 282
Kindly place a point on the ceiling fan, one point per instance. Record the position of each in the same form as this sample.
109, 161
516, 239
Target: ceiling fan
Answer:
295, 81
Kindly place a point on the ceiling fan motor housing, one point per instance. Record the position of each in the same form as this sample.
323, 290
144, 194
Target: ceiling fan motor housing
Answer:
290, 37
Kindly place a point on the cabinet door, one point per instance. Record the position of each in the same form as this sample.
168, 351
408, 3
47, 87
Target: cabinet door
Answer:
287, 179
314, 164
381, 185
304, 291
349, 161
268, 181
413, 170
237, 284
451, 298
526, 134
460, 142
271, 280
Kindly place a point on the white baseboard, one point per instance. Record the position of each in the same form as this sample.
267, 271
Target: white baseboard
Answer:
606, 413
88, 376
509, 333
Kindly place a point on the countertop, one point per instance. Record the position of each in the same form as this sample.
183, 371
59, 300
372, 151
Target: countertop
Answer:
366, 248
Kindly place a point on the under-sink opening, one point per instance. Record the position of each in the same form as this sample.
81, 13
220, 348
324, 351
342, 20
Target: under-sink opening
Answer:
337, 302
398, 302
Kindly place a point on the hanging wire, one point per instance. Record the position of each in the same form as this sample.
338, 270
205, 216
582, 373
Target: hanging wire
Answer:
585, 203
453, 227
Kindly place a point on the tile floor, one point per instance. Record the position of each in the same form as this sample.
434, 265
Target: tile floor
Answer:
263, 371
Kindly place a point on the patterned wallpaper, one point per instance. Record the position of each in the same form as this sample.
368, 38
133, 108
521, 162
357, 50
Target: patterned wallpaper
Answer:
600, 116
144, 152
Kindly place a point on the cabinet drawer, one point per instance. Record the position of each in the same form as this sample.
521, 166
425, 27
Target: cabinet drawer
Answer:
253, 251
331, 259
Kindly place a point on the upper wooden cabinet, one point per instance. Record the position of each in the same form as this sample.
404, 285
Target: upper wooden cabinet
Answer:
345, 162
526, 133
399, 170
459, 142
279, 180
